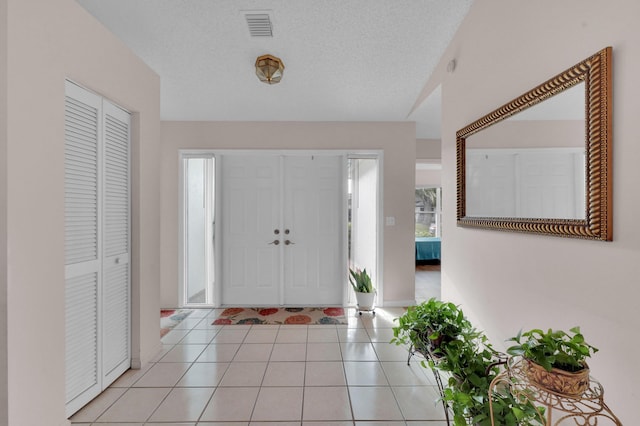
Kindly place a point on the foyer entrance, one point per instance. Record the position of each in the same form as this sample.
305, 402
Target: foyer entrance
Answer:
277, 227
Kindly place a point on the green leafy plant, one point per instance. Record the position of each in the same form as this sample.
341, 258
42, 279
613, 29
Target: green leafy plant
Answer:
553, 349
463, 355
430, 323
472, 364
361, 281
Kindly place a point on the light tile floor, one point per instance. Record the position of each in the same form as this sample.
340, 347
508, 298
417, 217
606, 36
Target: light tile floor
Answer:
323, 375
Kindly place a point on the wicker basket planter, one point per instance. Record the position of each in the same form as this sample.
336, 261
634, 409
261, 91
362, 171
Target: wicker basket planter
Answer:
558, 381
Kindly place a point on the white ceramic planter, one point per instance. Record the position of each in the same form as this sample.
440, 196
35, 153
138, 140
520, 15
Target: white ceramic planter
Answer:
365, 301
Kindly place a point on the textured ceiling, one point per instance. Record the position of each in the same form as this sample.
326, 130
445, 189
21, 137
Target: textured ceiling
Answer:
345, 60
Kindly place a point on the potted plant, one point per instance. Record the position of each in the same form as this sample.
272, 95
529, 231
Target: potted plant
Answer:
427, 325
555, 360
363, 287
464, 355
472, 364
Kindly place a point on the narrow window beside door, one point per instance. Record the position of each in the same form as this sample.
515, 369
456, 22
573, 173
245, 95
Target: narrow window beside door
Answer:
198, 235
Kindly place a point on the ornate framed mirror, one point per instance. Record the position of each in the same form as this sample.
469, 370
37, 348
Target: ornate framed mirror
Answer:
542, 162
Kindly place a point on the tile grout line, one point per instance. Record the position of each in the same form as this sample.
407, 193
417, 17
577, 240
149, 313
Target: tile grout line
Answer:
263, 374
348, 388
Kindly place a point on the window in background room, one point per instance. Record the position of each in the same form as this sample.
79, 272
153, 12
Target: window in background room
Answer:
428, 212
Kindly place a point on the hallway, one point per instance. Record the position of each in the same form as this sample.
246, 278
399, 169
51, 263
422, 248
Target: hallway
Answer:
335, 375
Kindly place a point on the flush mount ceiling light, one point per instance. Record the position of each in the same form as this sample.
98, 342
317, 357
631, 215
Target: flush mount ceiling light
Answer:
269, 69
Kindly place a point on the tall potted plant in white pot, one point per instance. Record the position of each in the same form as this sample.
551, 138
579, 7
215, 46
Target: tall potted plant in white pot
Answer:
364, 289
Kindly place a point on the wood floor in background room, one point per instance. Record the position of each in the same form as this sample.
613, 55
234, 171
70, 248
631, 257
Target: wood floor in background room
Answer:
427, 282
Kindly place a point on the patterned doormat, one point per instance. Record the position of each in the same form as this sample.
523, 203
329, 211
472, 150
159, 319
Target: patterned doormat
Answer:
169, 318
303, 316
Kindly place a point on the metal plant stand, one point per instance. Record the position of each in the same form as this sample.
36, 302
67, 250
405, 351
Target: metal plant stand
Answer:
586, 409
433, 360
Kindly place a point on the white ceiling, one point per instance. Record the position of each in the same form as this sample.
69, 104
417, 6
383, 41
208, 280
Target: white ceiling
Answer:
345, 60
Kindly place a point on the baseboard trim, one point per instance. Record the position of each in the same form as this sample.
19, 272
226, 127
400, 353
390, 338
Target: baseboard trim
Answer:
398, 303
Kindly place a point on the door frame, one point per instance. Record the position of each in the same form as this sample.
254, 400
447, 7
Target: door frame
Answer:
219, 154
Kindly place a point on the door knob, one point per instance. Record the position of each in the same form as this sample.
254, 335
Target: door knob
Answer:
276, 242
287, 242
276, 231
286, 231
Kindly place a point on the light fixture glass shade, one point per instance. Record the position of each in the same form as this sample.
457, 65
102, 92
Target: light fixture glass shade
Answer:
269, 69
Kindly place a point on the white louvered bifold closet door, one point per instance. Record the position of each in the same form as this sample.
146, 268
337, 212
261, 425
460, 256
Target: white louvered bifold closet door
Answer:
96, 245
82, 245
115, 279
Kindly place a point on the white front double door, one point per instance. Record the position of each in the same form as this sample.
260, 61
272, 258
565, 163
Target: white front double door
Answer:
282, 227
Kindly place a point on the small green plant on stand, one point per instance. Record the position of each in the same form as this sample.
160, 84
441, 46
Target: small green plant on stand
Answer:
364, 289
429, 324
555, 360
361, 281
553, 349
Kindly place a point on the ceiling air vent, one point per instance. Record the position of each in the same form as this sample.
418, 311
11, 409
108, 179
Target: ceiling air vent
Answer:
259, 24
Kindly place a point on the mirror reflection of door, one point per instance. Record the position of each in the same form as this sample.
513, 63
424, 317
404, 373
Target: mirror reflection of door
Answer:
531, 165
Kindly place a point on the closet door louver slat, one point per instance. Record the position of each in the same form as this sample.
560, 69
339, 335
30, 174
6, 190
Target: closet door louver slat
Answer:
81, 334
81, 188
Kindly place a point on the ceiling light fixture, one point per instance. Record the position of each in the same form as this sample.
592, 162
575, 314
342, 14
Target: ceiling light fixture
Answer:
269, 69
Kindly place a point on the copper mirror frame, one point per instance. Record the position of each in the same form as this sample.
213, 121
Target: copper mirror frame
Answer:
595, 72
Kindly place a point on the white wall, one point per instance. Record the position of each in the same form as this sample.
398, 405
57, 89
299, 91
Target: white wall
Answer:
48, 41
396, 139
507, 281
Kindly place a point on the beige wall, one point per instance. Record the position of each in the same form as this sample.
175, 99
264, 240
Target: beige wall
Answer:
428, 149
428, 178
48, 42
506, 281
3, 213
397, 140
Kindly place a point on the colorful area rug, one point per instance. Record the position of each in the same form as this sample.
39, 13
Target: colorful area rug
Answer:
169, 318
303, 316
